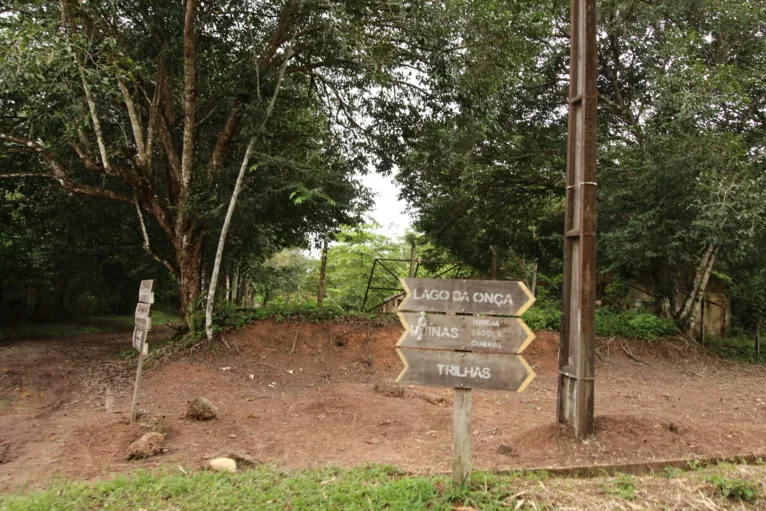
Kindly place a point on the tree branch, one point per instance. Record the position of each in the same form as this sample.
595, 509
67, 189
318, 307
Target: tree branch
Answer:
135, 122
147, 246
59, 172
190, 95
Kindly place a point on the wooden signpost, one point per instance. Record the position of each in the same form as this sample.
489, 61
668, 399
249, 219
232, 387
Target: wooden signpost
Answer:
140, 332
467, 351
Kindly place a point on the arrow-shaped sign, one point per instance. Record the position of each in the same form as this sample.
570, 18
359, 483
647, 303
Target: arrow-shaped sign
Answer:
464, 370
474, 333
495, 297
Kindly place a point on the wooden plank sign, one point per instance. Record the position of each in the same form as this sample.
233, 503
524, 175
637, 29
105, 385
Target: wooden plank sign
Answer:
466, 370
467, 333
494, 297
142, 311
139, 338
146, 292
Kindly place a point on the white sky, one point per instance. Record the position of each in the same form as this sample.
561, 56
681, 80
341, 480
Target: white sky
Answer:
389, 211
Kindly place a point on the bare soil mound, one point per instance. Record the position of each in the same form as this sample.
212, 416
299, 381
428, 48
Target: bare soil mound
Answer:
300, 394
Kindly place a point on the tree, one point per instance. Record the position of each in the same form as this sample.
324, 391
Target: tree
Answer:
145, 103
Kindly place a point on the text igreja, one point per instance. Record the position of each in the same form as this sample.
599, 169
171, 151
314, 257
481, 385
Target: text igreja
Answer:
463, 371
443, 295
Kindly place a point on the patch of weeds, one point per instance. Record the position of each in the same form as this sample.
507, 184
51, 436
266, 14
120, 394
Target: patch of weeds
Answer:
735, 488
671, 472
623, 486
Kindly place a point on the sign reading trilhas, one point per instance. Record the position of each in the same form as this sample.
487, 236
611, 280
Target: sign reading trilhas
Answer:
492, 297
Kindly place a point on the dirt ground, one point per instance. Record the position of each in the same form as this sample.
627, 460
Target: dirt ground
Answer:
319, 405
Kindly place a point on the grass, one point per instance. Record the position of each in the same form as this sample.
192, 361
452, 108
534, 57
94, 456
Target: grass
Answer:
741, 348
385, 487
94, 325
371, 487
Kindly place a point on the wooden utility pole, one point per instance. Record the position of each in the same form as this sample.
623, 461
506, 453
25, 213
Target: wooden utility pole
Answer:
322, 273
577, 350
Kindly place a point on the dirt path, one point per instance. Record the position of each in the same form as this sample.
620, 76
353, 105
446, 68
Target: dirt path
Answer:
318, 406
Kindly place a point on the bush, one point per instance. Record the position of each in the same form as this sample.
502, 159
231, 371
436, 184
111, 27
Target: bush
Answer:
87, 304
543, 316
633, 324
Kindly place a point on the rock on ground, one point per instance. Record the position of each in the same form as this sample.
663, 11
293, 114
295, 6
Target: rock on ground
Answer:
223, 465
389, 389
148, 445
243, 460
201, 409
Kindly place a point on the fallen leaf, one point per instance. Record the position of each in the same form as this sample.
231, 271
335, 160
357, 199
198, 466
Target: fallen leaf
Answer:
328, 481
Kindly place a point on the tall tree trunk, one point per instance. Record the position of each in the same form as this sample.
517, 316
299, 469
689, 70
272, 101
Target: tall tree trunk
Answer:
189, 262
533, 289
265, 298
222, 241
758, 338
413, 259
235, 194
322, 273
688, 322
248, 294
686, 309
227, 281
493, 267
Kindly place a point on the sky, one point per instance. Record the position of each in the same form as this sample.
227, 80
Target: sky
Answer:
389, 211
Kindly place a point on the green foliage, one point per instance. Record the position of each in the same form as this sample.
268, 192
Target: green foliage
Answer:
740, 347
543, 316
735, 489
87, 304
633, 325
229, 317
623, 486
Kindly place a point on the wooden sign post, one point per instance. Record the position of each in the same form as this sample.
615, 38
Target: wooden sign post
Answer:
140, 331
467, 351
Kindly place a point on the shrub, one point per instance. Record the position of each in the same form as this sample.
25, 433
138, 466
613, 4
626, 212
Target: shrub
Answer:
543, 316
86, 305
633, 324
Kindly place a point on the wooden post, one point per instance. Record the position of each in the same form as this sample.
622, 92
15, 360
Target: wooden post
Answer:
140, 334
577, 351
461, 436
137, 389
758, 338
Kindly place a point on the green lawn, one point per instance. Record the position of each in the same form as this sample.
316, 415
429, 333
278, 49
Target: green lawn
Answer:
381, 487
92, 325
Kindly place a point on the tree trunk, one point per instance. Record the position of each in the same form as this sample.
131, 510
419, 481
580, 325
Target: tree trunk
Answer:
227, 294
493, 267
248, 294
688, 323
265, 298
758, 338
413, 259
322, 273
686, 309
189, 261
533, 289
222, 241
